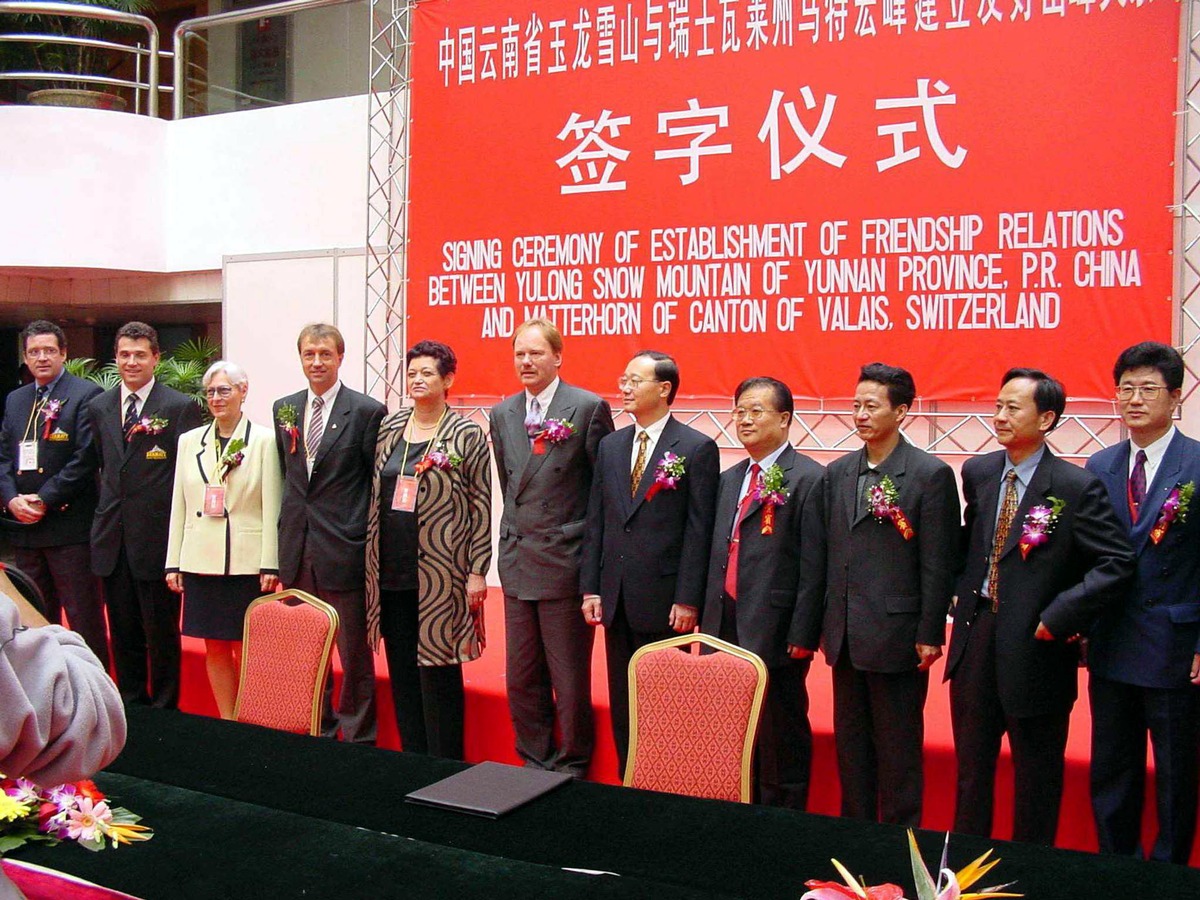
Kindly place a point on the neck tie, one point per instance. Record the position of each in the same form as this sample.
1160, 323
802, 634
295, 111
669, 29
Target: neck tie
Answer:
1137, 486
533, 420
639, 466
735, 541
131, 415
1008, 512
316, 427
41, 392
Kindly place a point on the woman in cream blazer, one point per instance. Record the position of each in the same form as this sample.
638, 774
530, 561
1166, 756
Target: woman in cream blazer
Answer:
222, 549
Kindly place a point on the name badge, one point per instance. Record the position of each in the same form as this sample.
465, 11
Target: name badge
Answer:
28, 456
156, 453
405, 497
214, 500
58, 435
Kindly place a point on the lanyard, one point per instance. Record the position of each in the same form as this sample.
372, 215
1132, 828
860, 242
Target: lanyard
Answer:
432, 441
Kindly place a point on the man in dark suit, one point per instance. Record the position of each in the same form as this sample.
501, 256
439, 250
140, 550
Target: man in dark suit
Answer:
1144, 652
891, 515
48, 483
326, 441
136, 426
545, 471
649, 523
767, 566
1045, 554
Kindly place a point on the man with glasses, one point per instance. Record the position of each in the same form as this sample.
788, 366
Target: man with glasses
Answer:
891, 512
48, 483
136, 426
545, 440
1144, 652
649, 522
767, 566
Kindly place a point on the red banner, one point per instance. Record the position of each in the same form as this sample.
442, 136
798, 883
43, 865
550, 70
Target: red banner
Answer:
795, 187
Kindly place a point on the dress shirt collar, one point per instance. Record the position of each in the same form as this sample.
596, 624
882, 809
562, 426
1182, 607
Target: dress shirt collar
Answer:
770, 459
1154, 452
545, 398
50, 385
143, 394
1025, 469
655, 430
329, 396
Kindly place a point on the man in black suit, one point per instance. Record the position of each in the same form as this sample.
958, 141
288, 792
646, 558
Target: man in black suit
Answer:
891, 512
767, 568
136, 426
649, 523
1045, 555
48, 483
545, 473
326, 441
1144, 652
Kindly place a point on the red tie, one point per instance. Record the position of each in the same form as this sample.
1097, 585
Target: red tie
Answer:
1137, 486
736, 540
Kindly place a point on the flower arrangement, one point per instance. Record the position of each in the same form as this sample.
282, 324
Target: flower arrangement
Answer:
286, 418
667, 474
948, 885
883, 499
1039, 524
69, 812
51, 410
768, 491
1174, 509
553, 431
438, 458
147, 425
232, 457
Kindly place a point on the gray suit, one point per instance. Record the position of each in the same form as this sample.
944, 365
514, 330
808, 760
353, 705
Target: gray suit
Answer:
884, 595
780, 575
549, 645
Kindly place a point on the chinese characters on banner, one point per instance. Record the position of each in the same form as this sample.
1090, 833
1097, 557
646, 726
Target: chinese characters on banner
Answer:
795, 187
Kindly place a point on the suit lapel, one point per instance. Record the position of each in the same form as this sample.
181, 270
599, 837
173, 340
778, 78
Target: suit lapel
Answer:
207, 455
335, 425
727, 499
850, 498
786, 460
560, 408
1116, 481
149, 408
989, 500
1165, 480
1035, 495
666, 443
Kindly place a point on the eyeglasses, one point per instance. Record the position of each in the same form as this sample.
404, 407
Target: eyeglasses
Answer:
1147, 391
223, 391
741, 414
633, 382
42, 353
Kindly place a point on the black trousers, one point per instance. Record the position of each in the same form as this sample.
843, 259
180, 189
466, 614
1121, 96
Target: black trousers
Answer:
783, 748
64, 576
1121, 716
548, 660
1038, 744
879, 731
143, 617
620, 643
429, 700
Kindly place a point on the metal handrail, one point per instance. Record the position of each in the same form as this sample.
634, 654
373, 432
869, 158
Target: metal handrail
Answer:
188, 27
27, 7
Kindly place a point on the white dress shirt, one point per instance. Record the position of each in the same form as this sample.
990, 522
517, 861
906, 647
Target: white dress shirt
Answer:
1154, 455
328, 397
655, 431
142, 394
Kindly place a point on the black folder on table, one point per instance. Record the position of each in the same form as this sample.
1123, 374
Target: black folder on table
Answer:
489, 789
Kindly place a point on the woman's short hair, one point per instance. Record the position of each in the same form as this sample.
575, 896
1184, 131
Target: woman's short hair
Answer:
447, 362
235, 373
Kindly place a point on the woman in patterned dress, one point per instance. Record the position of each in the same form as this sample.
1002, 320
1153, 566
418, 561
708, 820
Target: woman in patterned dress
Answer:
429, 545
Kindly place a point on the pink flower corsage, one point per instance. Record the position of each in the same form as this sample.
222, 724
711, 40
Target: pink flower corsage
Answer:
1174, 509
1038, 525
883, 497
667, 474
441, 458
768, 490
147, 425
51, 410
554, 431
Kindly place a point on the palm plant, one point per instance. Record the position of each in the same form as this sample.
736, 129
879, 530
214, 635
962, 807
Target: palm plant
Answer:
182, 369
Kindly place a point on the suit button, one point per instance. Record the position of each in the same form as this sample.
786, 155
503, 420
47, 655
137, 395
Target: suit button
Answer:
628, 529
199, 514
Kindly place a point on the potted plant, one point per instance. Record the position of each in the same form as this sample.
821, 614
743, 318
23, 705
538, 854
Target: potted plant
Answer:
181, 369
70, 60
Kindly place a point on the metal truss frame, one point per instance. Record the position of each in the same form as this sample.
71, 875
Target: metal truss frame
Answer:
948, 430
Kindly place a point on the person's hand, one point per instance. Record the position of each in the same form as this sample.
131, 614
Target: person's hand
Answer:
928, 655
476, 590
1043, 633
593, 609
27, 508
175, 582
682, 618
799, 652
268, 583
1196, 669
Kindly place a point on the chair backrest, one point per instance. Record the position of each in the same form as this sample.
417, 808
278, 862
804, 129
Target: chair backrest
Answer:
693, 719
286, 650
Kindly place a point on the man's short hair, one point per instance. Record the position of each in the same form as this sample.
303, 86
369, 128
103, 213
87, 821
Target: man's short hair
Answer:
901, 389
442, 354
1151, 355
41, 326
1048, 394
320, 331
665, 369
549, 331
137, 331
780, 392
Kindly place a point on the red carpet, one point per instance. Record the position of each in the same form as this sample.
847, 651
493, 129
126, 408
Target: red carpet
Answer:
489, 736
